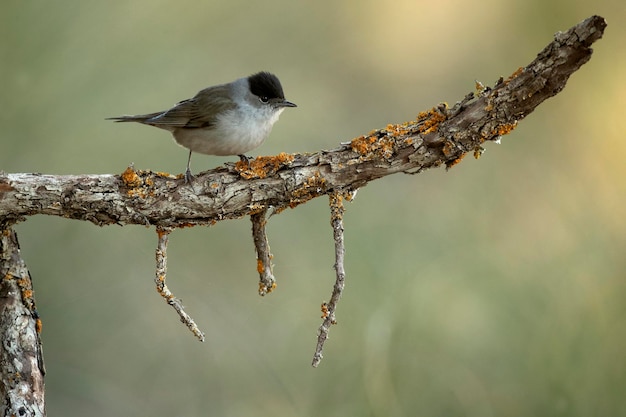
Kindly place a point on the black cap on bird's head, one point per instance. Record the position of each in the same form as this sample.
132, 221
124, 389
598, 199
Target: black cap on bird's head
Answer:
267, 87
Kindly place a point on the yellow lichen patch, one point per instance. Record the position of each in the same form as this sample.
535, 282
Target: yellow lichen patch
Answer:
452, 163
401, 129
130, 178
38, 325
478, 152
136, 193
260, 267
429, 121
336, 200
324, 309
264, 289
382, 146
505, 129
362, 144
448, 149
263, 166
312, 187
185, 225
514, 75
165, 174
480, 87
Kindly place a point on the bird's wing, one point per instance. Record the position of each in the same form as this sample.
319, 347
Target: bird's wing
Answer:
196, 112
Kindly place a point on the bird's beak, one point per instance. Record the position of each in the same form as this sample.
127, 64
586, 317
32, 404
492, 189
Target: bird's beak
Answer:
286, 103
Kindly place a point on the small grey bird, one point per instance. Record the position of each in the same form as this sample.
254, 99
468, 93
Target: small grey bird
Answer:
226, 119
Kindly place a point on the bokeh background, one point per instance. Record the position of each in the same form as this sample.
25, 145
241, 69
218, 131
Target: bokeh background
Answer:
495, 289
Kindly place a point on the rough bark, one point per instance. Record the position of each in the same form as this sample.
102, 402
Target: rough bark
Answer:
21, 359
440, 136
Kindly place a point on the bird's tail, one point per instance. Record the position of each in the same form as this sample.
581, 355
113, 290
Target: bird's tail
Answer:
140, 118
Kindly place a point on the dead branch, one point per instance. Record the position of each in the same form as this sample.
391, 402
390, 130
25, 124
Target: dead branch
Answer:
21, 359
267, 282
328, 309
164, 291
438, 137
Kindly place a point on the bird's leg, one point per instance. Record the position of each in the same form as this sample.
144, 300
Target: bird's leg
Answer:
188, 176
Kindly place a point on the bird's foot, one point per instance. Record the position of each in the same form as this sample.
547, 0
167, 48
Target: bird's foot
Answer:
188, 176
244, 159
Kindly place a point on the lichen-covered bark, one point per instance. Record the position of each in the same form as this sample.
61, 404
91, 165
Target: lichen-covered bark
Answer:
21, 360
441, 136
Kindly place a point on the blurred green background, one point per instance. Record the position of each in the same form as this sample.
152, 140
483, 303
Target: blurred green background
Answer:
495, 289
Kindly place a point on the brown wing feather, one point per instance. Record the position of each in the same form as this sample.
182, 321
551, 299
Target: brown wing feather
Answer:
196, 112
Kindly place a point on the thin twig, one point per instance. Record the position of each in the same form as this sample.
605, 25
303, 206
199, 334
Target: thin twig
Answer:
267, 282
328, 309
161, 271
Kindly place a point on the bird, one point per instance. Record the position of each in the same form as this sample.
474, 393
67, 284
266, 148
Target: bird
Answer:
226, 119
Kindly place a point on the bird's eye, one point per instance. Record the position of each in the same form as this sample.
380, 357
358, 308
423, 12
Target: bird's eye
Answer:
264, 99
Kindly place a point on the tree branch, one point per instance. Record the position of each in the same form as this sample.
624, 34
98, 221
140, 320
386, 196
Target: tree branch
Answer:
21, 358
164, 291
328, 309
440, 136
267, 282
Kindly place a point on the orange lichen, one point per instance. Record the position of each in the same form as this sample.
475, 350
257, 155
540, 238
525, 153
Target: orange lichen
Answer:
362, 144
263, 166
450, 164
325, 311
514, 75
38, 325
260, 267
480, 87
382, 146
130, 178
264, 289
381, 143
187, 224
336, 205
430, 120
312, 187
401, 129
138, 186
478, 152
448, 148
504, 129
